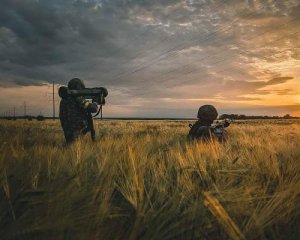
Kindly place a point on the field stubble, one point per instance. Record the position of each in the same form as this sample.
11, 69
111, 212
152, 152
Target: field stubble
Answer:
143, 180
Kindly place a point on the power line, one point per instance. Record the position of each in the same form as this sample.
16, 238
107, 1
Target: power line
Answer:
178, 48
224, 58
52, 97
226, 69
154, 45
242, 51
245, 51
151, 63
25, 108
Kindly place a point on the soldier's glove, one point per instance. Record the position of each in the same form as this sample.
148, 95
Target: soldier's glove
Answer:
93, 107
227, 123
99, 100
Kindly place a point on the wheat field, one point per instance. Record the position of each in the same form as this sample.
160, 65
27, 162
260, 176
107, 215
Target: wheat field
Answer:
144, 180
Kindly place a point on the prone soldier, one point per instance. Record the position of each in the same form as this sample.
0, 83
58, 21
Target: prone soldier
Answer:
207, 127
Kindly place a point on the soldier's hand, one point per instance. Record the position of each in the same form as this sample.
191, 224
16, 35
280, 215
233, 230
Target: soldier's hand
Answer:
93, 108
227, 123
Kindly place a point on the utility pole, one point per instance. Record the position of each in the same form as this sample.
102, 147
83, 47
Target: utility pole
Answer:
53, 99
25, 109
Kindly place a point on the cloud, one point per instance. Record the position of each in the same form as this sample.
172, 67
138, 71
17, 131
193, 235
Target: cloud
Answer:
239, 88
279, 80
149, 49
281, 92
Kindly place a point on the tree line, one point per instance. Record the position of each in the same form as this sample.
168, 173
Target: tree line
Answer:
242, 117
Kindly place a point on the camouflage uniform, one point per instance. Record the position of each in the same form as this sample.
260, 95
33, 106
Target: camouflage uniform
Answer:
74, 113
202, 128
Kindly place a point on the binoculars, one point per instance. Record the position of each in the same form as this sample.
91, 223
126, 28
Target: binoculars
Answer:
97, 94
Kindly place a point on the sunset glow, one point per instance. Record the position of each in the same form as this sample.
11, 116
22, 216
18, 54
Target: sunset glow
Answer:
162, 59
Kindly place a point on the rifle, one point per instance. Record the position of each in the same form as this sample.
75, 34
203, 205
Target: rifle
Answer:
218, 126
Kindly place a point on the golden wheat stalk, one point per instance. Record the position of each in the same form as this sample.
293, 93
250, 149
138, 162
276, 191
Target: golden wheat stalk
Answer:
222, 216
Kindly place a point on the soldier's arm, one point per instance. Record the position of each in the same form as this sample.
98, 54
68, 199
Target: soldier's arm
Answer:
198, 131
227, 123
203, 132
192, 131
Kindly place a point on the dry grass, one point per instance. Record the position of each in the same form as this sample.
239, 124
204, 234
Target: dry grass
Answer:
143, 180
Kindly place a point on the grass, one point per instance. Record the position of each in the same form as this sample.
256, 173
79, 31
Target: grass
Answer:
144, 180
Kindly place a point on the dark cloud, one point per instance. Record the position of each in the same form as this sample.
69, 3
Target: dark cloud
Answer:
279, 80
47, 33
252, 87
149, 48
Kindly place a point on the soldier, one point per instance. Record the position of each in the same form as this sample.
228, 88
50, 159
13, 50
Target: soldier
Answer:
75, 113
203, 128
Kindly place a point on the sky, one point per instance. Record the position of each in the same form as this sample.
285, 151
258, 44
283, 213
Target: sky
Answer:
156, 58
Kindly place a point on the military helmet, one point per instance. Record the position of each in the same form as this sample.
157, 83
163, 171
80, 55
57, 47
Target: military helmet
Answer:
207, 113
76, 84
